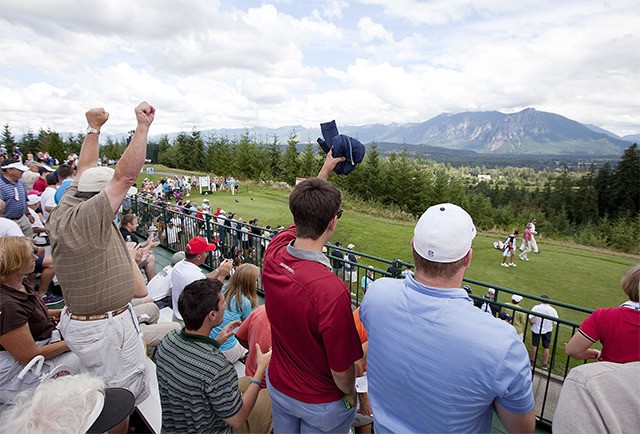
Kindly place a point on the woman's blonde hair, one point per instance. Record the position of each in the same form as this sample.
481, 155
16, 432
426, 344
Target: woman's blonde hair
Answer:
243, 282
631, 283
16, 254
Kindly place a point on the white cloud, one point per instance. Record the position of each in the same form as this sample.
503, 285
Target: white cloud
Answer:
208, 64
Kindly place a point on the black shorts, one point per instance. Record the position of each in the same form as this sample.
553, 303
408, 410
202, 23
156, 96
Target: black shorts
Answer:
39, 264
546, 339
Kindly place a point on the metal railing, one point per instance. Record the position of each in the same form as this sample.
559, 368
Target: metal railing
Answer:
247, 243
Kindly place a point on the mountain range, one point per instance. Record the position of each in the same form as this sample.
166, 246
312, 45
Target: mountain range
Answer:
528, 132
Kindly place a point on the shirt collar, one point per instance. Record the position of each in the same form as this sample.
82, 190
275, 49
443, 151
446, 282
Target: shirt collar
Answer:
198, 338
411, 283
308, 255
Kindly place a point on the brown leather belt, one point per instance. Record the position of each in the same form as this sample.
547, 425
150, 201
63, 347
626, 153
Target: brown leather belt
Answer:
100, 315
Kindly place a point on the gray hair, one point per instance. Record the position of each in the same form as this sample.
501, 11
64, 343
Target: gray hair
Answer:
61, 405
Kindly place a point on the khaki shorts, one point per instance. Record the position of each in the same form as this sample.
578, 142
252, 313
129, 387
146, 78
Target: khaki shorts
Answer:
111, 349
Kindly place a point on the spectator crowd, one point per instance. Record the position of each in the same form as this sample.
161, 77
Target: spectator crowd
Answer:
80, 299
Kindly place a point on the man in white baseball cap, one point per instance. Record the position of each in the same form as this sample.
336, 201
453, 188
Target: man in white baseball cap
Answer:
14, 194
426, 336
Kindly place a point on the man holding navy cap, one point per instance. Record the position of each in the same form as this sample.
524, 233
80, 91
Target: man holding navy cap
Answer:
423, 338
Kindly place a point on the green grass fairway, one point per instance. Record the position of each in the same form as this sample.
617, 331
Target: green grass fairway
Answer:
570, 274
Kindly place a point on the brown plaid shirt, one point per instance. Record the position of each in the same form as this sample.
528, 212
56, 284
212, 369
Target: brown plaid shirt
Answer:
91, 260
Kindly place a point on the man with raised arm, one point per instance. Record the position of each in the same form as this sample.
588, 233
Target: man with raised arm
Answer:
311, 377
97, 272
435, 363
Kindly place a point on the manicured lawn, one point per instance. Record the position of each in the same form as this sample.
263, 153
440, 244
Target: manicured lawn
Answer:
573, 275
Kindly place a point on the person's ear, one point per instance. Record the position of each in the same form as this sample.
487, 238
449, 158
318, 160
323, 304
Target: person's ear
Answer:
467, 258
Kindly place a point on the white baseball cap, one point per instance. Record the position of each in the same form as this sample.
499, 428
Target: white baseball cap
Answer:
95, 179
444, 233
32, 199
15, 165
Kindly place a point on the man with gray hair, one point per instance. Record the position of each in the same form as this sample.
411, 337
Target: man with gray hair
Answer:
424, 334
97, 272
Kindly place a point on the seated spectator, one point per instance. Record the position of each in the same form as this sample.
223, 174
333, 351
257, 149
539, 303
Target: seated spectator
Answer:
41, 183
65, 177
128, 225
30, 176
599, 397
47, 198
26, 326
8, 227
617, 328
71, 403
199, 387
256, 329
40, 237
153, 331
160, 286
241, 297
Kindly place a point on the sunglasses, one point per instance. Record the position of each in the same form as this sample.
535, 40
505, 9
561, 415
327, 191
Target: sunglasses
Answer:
339, 213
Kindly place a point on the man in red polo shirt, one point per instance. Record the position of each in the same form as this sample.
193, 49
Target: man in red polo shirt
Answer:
311, 378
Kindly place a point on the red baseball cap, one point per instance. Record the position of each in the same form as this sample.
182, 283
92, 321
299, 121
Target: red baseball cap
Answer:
198, 245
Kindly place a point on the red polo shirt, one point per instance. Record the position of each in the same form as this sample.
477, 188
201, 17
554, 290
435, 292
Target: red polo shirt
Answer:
312, 326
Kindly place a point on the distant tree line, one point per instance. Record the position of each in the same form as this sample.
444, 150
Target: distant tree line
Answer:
598, 208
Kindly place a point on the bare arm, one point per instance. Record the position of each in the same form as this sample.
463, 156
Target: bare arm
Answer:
140, 289
328, 166
250, 396
578, 348
516, 423
129, 165
222, 271
20, 344
346, 382
96, 117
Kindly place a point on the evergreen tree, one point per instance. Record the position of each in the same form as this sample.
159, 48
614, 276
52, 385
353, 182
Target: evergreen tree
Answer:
275, 160
167, 152
50, 141
290, 161
603, 183
246, 158
73, 143
585, 206
29, 143
308, 161
626, 183
7, 139
196, 158
372, 171
220, 156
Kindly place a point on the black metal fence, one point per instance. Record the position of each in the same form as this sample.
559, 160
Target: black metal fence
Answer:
244, 242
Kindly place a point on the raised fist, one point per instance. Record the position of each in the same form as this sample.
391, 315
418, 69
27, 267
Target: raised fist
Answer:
145, 113
96, 117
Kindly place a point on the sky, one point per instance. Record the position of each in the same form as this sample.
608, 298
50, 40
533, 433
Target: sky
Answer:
237, 64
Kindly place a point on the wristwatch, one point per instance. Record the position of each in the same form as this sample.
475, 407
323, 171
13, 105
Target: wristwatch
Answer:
91, 130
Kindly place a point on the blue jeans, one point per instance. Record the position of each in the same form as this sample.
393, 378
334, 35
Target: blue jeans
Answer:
293, 416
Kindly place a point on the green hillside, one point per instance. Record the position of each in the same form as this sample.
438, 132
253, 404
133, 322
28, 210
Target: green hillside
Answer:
572, 274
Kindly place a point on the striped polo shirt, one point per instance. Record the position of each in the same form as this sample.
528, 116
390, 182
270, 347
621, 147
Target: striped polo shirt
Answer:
15, 208
198, 386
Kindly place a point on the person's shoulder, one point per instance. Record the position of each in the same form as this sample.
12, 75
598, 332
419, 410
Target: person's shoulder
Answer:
384, 287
